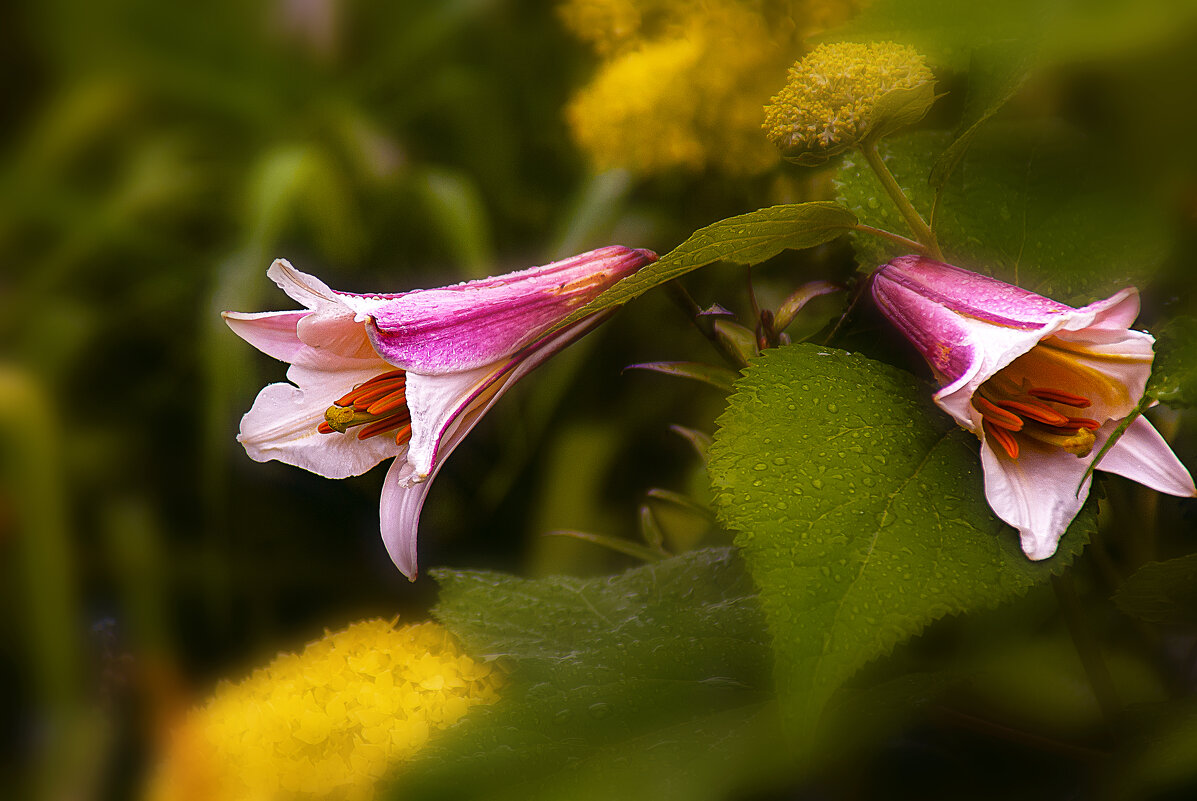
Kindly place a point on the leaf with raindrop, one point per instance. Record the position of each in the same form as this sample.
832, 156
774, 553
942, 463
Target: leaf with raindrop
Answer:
1174, 373
860, 510
1030, 205
652, 684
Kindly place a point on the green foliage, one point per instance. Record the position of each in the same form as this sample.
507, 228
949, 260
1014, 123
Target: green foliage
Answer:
1175, 369
995, 75
860, 510
1028, 205
654, 682
1162, 592
744, 239
949, 33
720, 378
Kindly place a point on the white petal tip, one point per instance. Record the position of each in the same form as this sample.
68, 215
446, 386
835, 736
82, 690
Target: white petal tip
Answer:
1038, 549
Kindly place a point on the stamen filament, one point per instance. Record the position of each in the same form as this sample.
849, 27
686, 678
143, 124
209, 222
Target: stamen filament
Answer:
1079, 442
382, 426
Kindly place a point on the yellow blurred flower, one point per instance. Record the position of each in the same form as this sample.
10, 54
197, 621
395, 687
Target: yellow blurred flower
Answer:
682, 84
328, 722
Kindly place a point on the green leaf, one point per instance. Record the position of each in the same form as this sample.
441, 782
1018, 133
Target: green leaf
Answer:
1029, 205
860, 509
1174, 373
720, 378
637, 679
1162, 592
745, 239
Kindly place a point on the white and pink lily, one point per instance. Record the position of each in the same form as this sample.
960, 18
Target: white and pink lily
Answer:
1043, 385
408, 375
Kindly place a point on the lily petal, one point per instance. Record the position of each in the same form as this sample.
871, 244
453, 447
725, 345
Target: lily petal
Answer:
1035, 493
273, 333
307, 289
399, 516
1142, 455
282, 423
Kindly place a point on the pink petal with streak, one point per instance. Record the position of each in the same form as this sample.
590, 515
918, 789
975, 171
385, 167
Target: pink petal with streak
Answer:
471, 325
409, 478
973, 294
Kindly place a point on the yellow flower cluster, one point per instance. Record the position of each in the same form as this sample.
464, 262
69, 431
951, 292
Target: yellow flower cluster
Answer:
326, 723
682, 84
831, 99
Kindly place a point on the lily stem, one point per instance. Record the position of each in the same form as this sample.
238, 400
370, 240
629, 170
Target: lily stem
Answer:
1087, 648
922, 231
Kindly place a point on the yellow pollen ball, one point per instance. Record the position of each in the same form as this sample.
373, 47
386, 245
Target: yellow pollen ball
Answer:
829, 102
326, 723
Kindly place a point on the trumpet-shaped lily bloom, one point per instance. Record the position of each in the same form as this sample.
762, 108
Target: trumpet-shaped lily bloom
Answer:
407, 376
1043, 385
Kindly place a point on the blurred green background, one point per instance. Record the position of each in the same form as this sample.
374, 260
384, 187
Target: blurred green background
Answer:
156, 157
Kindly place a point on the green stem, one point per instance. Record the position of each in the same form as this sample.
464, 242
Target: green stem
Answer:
881, 232
922, 232
682, 299
1036, 741
1087, 648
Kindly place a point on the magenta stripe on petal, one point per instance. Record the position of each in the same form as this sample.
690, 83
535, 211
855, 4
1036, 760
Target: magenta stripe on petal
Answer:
973, 294
457, 328
939, 333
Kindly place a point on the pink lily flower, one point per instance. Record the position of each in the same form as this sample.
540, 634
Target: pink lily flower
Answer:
408, 375
1041, 384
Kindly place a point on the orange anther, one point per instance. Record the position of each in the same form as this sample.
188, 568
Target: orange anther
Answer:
1036, 411
997, 415
403, 435
1083, 422
324, 428
389, 403
364, 394
1060, 396
1003, 438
